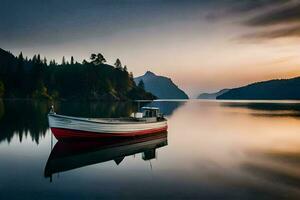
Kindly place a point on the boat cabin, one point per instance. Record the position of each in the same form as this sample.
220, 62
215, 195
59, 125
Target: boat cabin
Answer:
149, 114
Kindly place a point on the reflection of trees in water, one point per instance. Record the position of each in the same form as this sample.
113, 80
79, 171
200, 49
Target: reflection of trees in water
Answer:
23, 118
29, 118
265, 106
275, 109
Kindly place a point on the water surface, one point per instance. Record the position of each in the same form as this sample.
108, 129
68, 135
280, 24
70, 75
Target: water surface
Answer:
213, 150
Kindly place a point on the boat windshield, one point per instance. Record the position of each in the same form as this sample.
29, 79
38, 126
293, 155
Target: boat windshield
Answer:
150, 112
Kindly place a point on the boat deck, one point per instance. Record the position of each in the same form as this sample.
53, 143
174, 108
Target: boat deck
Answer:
124, 120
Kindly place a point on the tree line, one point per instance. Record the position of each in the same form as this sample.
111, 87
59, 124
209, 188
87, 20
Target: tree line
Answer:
91, 80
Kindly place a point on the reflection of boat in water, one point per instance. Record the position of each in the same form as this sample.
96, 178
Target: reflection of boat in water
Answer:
71, 155
148, 121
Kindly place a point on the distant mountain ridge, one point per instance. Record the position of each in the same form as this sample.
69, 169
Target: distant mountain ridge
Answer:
277, 89
212, 95
162, 87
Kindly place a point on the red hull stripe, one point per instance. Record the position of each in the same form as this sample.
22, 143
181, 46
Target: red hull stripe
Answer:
68, 133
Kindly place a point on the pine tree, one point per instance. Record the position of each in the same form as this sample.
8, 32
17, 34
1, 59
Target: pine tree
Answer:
20, 63
72, 60
34, 59
39, 58
20, 57
118, 64
131, 76
93, 57
45, 61
63, 62
100, 59
84, 62
18, 78
141, 84
97, 59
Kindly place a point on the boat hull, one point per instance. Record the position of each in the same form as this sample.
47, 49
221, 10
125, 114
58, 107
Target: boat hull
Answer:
64, 127
62, 133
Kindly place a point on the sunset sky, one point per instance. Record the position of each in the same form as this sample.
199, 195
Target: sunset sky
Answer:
203, 46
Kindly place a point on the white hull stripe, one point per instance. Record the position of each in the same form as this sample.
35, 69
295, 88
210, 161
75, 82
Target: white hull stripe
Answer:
93, 126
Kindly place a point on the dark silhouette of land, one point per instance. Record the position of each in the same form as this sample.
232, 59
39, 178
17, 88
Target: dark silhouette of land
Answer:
279, 89
212, 95
90, 80
162, 87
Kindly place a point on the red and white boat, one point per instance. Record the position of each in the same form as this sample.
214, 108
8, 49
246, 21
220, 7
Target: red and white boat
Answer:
150, 120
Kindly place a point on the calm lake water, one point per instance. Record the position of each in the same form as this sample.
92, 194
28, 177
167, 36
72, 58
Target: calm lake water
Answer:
213, 150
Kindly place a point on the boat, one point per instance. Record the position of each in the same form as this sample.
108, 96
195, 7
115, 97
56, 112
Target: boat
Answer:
69, 155
149, 120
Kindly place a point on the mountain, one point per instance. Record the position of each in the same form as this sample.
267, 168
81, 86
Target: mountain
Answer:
212, 95
279, 89
94, 80
162, 87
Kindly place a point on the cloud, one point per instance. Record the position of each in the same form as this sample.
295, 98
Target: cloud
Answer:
220, 9
244, 6
293, 31
270, 19
283, 15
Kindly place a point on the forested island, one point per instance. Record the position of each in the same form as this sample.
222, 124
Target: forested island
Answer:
278, 89
39, 78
